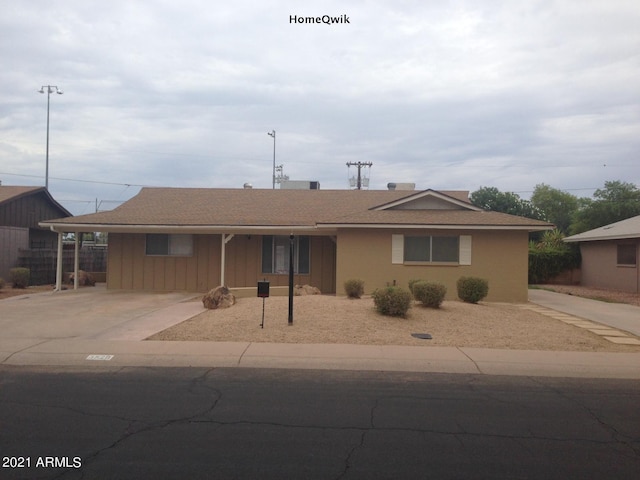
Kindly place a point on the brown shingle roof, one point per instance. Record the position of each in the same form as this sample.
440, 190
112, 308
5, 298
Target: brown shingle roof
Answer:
467, 218
10, 193
275, 208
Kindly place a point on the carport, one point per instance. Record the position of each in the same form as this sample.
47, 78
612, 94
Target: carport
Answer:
77, 229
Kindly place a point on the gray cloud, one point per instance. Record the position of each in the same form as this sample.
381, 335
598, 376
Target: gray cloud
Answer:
446, 95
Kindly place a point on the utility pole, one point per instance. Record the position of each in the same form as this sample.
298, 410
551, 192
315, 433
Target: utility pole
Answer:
273, 177
359, 165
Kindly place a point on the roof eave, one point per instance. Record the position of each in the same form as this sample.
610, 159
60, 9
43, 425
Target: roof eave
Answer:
529, 228
595, 239
196, 229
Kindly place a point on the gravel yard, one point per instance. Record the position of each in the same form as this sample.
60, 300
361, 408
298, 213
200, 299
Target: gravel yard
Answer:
330, 319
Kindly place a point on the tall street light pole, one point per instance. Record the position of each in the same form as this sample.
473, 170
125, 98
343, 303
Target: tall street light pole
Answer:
50, 90
273, 134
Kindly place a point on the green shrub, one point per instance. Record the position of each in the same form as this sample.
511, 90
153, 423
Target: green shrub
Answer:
393, 301
412, 282
354, 288
548, 261
472, 289
430, 294
19, 277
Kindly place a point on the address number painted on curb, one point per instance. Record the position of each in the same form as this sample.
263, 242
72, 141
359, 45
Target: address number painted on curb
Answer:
100, 357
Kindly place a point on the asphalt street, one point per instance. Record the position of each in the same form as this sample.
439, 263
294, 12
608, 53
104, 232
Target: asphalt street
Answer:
223, 423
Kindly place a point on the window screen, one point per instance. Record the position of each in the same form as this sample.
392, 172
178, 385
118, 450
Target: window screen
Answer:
444, 249
417, 249
275, 254
169, 244
431, 249
627, 254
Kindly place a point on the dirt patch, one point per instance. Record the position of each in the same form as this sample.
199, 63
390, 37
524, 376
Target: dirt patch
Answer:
329, 319
8, 291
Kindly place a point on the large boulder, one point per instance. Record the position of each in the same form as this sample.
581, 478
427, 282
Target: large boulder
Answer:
84, 279
219, 297
305, 290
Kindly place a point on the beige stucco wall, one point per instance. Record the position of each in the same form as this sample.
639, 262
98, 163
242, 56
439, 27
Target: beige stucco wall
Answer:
600, 269
130, 269
499, 256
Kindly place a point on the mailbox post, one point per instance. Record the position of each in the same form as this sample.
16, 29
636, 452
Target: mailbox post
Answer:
291, 238
263, 292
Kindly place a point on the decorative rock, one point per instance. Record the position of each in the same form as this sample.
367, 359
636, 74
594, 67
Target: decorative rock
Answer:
219, 297
299, 290
84, 279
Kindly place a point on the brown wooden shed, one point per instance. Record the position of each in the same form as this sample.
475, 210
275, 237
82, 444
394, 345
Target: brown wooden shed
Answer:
21, 209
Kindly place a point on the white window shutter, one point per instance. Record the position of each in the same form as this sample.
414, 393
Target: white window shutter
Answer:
465, 250
397, 249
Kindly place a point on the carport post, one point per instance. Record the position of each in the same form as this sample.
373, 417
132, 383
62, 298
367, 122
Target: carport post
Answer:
59, 264
76, 261
223, 255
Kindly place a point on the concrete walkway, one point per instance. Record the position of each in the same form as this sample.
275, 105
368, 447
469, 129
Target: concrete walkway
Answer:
95, 327
617, 315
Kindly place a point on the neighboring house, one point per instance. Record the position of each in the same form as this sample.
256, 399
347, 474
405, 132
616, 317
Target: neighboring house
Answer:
610, 255
21, 209
195, 239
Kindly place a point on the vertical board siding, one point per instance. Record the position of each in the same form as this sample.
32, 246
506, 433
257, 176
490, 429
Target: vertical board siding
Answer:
12, 239
129, 268
28, 210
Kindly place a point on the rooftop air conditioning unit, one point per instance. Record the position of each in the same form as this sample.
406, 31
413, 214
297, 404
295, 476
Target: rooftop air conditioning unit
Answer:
299, 185
401, 186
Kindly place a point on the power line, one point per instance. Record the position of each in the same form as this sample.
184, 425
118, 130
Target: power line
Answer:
79, 181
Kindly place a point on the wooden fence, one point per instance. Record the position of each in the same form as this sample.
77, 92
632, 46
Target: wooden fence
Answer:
42, 262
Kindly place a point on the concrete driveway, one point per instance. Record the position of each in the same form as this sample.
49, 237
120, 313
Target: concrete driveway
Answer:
94, 325
618, 315
93, 313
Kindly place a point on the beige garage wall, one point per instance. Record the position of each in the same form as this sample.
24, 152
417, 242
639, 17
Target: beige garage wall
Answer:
499, 256
600, 267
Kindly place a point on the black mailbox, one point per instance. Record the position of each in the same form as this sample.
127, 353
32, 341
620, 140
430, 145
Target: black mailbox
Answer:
263, 289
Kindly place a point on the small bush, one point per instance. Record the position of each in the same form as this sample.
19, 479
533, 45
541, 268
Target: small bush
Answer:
430, 294
412, 282
472, 289
19, 277
354, 288
393, 301
1, 283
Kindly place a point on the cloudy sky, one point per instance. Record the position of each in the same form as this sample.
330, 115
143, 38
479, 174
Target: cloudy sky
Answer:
446, 94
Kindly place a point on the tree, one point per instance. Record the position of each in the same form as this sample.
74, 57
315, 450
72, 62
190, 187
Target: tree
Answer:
550, 256
490, 198
558, 207
616, 201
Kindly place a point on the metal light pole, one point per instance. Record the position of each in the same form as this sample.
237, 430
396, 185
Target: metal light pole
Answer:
50, 90
273, 134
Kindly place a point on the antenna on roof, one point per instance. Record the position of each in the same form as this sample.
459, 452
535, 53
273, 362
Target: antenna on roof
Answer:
280, 176
362, 180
